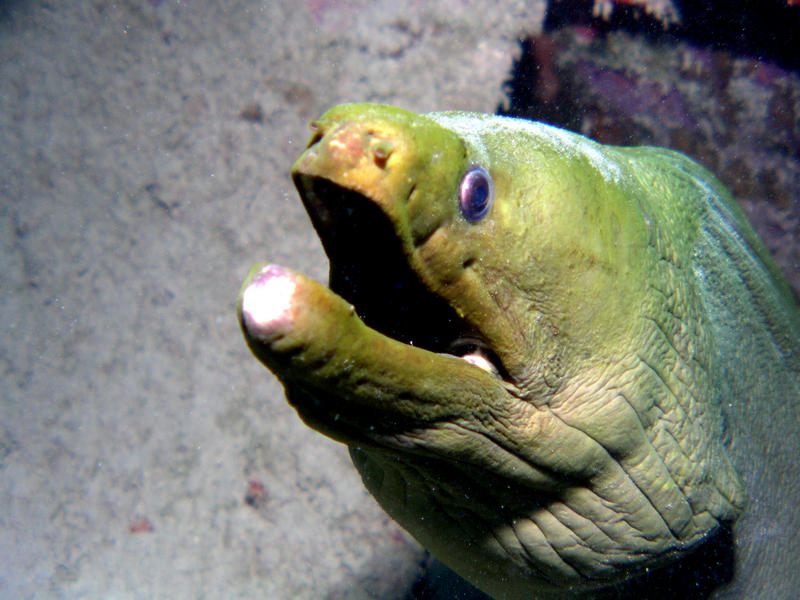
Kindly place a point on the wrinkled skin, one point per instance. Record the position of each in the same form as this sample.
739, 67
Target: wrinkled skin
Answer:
585, 385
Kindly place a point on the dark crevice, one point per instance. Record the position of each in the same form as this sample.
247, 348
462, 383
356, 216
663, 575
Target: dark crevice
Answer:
760, 29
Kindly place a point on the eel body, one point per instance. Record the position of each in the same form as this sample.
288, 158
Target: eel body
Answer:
563, 367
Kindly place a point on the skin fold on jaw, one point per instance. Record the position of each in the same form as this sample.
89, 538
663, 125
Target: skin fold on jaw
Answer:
525, 372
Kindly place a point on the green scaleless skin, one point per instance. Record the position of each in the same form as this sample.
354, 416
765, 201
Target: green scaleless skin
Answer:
539, 396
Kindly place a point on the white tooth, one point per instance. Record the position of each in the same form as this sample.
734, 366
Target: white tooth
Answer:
480, 361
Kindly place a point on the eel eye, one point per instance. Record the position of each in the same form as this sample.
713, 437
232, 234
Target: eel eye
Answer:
475, 194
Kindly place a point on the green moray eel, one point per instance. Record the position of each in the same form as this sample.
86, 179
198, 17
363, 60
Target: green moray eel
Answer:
542, 352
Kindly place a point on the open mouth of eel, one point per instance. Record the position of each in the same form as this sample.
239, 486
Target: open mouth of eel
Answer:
369, 268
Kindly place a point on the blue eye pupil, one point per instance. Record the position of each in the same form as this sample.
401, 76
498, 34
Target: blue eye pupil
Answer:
475, 194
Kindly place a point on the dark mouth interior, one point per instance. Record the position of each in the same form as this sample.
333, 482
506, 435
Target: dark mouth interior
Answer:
369, 269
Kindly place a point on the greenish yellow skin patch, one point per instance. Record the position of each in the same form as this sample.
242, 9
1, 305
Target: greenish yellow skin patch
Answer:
596, 285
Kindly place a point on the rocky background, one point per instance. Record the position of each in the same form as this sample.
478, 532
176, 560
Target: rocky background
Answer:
146, 146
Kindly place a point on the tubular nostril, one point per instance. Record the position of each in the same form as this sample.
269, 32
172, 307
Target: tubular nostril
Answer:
316, 133
381, 151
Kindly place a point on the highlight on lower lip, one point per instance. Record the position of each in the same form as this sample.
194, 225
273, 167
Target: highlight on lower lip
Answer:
268, 299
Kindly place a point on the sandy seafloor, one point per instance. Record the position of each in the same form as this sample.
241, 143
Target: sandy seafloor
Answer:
135, 197
134, 200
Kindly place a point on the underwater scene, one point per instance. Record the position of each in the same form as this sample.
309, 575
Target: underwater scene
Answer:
522, 279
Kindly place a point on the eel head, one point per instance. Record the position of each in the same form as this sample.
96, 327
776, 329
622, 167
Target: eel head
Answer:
521, 385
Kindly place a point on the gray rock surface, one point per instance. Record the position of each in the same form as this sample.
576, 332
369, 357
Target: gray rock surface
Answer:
146, 148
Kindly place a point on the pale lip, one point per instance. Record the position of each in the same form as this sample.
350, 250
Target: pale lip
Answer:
267, 301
